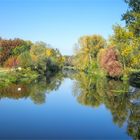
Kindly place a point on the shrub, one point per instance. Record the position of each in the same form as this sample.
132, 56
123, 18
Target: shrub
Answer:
11, 62
109, 61
24, 59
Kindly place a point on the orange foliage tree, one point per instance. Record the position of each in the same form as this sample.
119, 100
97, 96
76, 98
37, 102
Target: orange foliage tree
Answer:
11, 62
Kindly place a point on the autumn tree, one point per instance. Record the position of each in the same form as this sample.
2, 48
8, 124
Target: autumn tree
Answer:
108, 60
11, 62
127, 45
6, 47
88, 48
41, 53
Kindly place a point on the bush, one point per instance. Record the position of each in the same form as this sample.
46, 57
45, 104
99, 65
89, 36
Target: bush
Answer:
11, 62
109, 61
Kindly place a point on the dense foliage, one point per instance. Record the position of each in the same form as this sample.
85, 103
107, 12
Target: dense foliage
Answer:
108, 59
128, 46
120, 55
87, 50
24, 61
19, 53
132, 16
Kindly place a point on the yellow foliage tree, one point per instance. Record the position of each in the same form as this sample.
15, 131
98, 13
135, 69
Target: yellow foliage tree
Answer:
88, 48
128, 45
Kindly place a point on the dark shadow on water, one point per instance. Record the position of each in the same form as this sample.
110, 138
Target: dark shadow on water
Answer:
135, 80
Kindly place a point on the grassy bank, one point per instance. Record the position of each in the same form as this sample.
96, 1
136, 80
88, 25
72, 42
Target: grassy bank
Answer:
9, 76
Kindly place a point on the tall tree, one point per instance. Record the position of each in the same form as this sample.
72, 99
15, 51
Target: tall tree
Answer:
132, 16
88, 49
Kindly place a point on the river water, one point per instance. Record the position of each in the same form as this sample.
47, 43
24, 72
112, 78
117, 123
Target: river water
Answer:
70, 106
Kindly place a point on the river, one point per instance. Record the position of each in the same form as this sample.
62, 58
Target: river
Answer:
70, 106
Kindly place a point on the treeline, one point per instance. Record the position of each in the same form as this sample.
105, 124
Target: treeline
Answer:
119, 55
116, 57
20, 53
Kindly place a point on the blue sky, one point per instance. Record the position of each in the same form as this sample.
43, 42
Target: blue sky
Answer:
59, 22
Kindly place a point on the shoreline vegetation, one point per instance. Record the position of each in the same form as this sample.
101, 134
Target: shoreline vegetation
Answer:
22, 61
118, 57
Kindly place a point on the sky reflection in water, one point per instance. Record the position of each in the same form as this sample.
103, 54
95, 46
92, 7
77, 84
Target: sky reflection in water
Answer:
70, 106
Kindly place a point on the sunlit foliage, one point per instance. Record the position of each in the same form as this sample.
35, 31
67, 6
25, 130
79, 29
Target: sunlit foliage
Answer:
127, 45
88, 48
19, 53
24, 60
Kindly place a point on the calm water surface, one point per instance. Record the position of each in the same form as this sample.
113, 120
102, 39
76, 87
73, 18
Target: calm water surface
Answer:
70, 106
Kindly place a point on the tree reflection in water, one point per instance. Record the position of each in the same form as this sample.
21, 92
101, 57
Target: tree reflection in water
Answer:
36, 90
119, 97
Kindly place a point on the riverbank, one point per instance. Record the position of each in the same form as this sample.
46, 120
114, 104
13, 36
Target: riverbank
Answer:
9, 76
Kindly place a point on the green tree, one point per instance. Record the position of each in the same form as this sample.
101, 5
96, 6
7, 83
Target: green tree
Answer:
24, 59
20, 49
132, 16
38, 55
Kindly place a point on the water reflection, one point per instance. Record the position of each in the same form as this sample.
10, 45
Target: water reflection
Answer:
121, 99
36, 90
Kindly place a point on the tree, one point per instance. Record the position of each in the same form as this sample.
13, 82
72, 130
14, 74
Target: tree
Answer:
127, 45
20, 49
11, 62
6, 47
109, 61
92, 44
132, 16
24, 59
38, 54
88, 49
